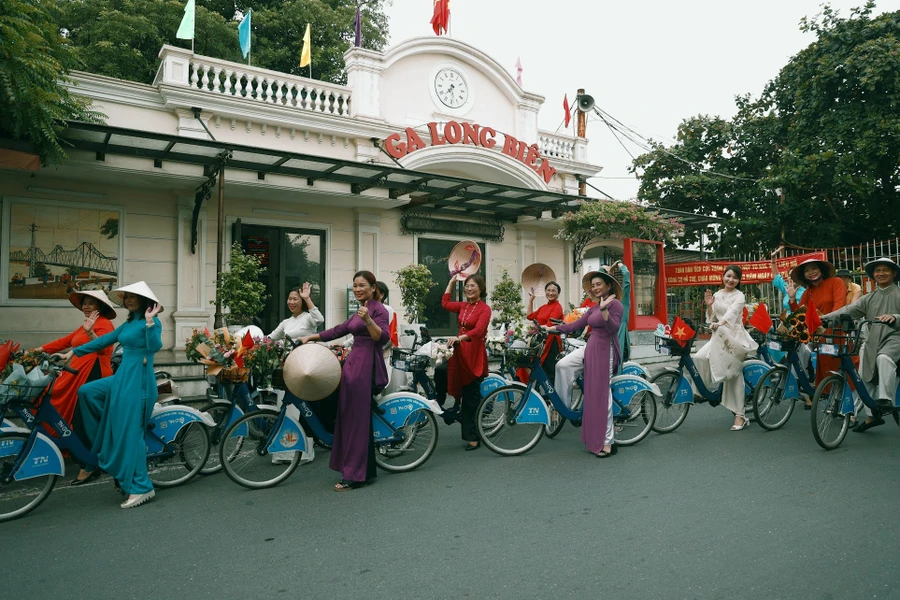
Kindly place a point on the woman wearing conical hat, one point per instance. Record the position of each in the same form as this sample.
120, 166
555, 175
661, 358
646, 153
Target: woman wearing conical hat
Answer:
824, 291
116, 409
98, 313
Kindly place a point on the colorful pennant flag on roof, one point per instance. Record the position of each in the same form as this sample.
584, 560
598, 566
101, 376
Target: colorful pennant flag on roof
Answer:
244, 33
306, 53
186, 29
440, 20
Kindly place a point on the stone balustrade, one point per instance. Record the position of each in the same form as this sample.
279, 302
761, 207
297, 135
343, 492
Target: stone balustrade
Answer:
180, 67
555, 145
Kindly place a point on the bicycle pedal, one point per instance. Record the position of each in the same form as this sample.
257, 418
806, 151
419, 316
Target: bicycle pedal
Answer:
575, 423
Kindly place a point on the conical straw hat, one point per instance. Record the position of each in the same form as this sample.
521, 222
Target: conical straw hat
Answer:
107, 308
138, 289
465, 259
535, 277
799, 276
312, 372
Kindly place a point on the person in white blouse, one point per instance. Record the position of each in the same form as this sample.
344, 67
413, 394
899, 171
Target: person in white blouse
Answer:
721, 359
305, 320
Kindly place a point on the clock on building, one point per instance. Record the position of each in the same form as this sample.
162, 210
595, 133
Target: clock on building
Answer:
451, 88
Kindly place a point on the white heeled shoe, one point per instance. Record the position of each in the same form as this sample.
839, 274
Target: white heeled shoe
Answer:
743, 425
138, 500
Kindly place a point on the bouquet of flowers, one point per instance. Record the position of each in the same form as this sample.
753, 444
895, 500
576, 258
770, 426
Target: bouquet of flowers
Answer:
264, 357
21, 385
222, 354
794, 325
27, 359
498, 344
441, 352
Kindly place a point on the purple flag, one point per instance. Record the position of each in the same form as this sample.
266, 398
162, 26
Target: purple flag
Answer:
358, 41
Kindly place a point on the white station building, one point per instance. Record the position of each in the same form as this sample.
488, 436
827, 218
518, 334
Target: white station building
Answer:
430, 143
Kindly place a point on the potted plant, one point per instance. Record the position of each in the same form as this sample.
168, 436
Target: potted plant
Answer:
239, 288
414, 282
506, 302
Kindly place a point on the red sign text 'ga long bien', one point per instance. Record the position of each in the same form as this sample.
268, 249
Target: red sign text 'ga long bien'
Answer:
476, 135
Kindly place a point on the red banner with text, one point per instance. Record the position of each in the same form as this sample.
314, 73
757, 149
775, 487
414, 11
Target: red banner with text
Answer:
710, 273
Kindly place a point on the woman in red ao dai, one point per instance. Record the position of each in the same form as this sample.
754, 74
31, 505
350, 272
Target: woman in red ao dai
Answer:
468, 365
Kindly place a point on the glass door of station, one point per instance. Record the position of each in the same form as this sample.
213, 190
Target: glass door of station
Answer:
434, 254
290, 257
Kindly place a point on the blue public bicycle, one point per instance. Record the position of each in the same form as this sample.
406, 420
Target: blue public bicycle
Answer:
512, 418
677, 394
403, 425
780, 387
833, 402
226, 403
31, 460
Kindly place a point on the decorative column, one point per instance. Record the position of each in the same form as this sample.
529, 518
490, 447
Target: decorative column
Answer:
193, 308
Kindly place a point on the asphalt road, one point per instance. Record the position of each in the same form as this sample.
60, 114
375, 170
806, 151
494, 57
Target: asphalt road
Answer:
699, 513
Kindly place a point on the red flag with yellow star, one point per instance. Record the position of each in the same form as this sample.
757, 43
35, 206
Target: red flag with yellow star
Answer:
681, 332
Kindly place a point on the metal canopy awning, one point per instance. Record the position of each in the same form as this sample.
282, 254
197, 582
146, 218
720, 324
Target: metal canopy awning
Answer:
439, 195
689, 220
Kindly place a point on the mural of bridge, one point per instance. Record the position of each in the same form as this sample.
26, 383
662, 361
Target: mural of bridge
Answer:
84, 257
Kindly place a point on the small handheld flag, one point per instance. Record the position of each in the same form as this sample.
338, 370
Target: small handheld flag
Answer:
761, 318
682, 332
813, 321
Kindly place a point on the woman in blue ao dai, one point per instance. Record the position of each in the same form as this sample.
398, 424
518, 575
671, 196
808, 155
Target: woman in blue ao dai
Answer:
115, 410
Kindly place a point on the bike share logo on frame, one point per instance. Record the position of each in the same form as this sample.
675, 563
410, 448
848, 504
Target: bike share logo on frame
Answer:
63, 428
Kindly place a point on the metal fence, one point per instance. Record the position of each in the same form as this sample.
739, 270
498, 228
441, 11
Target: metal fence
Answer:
687, 302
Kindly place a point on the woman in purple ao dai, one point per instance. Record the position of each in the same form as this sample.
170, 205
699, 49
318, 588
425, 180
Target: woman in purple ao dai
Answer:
601, 359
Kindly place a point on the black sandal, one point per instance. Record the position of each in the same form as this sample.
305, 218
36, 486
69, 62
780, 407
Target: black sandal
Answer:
345, 486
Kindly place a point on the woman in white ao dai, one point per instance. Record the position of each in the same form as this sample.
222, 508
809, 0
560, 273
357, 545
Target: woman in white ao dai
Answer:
721, 360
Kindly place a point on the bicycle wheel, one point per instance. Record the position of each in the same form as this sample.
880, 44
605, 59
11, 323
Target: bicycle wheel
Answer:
419, 439
246, 459
829, 426
632, 428
18, 498
182, 458
497, 427
219, 412
669, 416
771, 408
556, 422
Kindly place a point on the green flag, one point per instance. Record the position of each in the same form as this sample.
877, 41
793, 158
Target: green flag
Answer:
186, 29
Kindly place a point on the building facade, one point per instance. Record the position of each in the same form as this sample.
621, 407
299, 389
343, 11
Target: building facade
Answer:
429, 143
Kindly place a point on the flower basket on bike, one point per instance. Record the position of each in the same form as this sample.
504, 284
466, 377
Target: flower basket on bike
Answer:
405, 360
21, 387
234, 374
522, 353
836, 344
782, 342
670, 346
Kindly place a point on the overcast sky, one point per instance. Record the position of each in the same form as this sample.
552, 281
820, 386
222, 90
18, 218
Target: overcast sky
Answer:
648, 63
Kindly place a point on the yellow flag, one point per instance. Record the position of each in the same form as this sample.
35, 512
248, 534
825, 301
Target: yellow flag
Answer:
305, 58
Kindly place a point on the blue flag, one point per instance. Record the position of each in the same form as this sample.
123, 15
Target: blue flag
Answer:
244, 33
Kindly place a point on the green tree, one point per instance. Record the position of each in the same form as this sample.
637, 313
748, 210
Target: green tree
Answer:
122, 38
816, 158
35, 61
